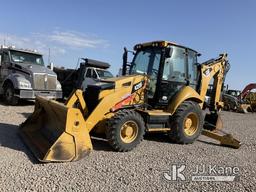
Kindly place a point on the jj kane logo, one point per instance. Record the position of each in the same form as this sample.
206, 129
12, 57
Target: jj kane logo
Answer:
202, 173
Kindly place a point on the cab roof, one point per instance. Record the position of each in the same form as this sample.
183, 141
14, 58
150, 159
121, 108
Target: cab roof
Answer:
20, 50
160, 43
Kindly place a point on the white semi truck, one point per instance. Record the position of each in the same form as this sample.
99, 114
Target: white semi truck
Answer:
23, 75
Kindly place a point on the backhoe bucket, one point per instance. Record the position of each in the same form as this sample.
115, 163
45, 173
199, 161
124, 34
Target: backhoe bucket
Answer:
212, 128
213, 121
55, 132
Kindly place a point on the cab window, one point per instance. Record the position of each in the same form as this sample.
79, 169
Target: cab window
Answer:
88, 73
94, 75
5, 58
174, 67
147, 61
192, 67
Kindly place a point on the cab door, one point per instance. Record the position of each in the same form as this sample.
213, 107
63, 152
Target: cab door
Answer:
174, 74
87, 78
192, 68
90, 77
5, 61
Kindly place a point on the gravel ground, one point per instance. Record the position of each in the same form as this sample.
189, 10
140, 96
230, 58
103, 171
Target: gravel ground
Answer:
139, 170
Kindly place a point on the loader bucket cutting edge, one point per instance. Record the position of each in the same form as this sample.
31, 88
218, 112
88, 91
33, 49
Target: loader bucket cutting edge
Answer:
54, 132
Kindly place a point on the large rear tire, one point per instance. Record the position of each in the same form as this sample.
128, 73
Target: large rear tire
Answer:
9, 95
125, 130
187, 123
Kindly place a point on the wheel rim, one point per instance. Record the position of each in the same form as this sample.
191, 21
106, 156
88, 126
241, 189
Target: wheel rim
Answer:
129, 131
191, 124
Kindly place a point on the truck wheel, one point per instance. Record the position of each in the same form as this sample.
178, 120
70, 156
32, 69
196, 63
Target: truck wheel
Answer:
187, 123
125, 130
226, 107
9, 97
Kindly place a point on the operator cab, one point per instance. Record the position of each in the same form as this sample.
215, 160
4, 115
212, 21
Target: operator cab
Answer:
169, 68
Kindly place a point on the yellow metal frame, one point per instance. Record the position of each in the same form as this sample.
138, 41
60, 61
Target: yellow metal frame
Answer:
185, 93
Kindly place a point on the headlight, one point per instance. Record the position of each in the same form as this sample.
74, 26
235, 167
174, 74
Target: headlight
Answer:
58, 87
24, 84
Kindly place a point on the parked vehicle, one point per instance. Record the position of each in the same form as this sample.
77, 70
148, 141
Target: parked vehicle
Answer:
23, 75
240, 101
158, 94
89, 72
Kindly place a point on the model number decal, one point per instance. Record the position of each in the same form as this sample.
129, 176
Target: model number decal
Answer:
207, 72
138, 86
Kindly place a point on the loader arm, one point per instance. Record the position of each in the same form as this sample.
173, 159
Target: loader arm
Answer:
61, 132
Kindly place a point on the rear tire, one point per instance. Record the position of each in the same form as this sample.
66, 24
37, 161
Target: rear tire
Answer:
226, 107
187, 123
9, 96
125, 130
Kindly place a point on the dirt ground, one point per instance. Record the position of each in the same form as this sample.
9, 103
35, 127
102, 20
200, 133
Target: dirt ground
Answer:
146, 168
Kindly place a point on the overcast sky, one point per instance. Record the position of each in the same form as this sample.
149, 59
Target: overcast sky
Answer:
99, 29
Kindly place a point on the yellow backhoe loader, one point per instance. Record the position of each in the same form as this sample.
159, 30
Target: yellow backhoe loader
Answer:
163, 91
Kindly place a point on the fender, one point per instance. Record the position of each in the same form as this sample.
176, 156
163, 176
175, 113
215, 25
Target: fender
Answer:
11, 78
186, 93
15, 78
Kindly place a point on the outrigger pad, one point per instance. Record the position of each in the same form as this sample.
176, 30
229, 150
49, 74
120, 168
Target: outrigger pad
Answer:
54, 132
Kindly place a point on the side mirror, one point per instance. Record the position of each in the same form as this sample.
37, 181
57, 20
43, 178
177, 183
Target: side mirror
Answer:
50, 66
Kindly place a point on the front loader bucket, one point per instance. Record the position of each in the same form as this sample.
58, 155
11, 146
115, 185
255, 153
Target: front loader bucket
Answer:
55, 132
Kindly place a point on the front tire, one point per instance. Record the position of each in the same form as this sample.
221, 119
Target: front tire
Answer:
9, 95
187, 123
125, 130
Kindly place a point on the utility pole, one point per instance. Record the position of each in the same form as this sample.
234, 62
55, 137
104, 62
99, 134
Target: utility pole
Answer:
4, 40
49, 56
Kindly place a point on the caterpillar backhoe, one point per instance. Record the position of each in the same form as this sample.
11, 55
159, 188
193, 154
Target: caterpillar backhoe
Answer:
163, 91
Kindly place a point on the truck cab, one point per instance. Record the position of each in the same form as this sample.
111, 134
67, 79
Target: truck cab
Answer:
93, 75
90, 72
23, 75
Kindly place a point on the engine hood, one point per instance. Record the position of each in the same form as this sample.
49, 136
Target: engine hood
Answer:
123, 81
32, 68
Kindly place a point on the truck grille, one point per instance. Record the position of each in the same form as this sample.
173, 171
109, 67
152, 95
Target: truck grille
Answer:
45, 82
